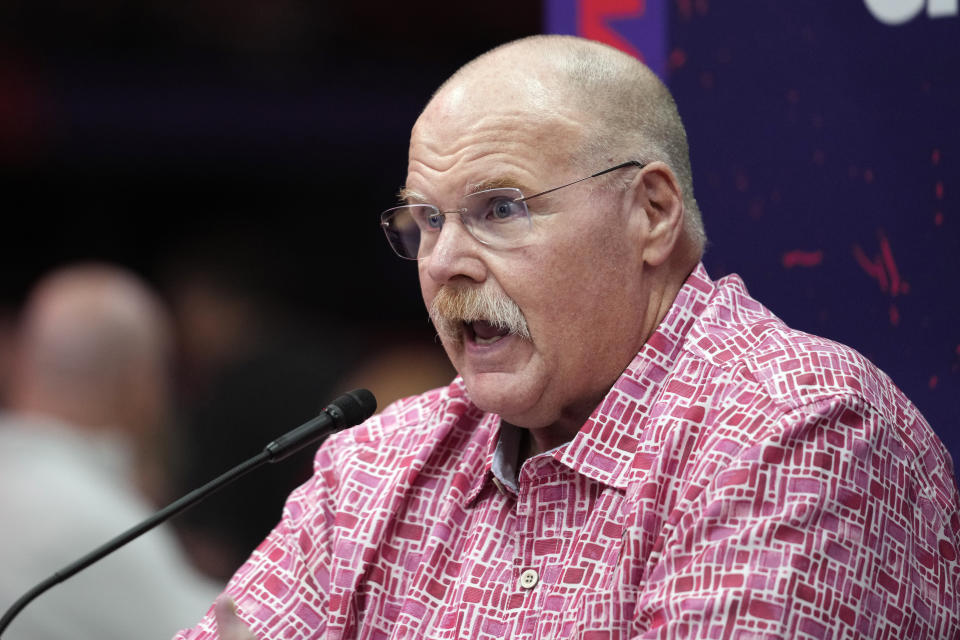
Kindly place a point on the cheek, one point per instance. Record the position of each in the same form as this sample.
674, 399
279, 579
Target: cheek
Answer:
550, 297
579, 295
571, 274
428, 288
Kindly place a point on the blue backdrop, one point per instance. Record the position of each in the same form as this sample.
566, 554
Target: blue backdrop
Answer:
826, 157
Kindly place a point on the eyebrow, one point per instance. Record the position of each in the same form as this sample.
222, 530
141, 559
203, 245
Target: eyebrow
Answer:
496, 183
410, 196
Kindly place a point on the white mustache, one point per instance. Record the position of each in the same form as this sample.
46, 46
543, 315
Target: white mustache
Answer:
452, 307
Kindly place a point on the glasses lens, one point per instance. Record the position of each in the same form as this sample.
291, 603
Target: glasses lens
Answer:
402, 226
497, 217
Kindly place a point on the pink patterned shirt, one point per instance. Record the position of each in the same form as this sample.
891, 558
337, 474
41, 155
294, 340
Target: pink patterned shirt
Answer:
741, 479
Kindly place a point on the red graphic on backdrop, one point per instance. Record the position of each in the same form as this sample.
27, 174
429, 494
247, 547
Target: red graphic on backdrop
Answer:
883, 268
678, 58
801, 258
685, 8
594, 15
938, 188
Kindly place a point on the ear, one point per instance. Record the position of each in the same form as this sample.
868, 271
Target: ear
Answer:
659, 200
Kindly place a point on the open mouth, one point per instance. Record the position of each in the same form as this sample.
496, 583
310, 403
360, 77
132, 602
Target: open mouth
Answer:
482, 332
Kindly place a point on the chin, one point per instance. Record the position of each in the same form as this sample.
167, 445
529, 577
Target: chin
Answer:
514, 401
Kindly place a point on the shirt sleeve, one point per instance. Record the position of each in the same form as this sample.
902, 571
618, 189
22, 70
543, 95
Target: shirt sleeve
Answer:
835, 524
281, 590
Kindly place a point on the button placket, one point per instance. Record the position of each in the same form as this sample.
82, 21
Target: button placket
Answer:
529, 577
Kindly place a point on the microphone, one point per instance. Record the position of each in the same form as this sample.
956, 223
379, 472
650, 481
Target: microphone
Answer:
348, 410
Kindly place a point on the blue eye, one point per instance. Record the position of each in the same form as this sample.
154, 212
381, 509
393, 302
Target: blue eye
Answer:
435, 220
505, 209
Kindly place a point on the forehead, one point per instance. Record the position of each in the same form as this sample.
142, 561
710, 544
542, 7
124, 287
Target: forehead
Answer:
488, 134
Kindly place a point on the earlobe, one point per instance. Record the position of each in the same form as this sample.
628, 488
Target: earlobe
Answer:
662, 202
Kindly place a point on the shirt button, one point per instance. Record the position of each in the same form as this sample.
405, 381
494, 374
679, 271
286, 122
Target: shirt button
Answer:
529, 579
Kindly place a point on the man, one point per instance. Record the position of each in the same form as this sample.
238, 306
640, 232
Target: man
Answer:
632, 450
78, 449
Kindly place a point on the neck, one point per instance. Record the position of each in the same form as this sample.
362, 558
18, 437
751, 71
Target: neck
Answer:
563, 430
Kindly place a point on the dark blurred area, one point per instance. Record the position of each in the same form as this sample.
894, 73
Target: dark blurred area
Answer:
129, 128
236, 155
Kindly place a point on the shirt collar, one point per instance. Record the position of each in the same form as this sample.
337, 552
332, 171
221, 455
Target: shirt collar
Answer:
504, 466
492, 423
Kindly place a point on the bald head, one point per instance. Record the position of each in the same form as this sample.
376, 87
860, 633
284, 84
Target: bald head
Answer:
91, 350
614, 107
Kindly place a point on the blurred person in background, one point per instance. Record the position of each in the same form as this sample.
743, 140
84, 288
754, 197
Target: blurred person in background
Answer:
7, 324
81, 442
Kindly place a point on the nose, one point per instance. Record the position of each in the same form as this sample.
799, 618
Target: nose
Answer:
455, 254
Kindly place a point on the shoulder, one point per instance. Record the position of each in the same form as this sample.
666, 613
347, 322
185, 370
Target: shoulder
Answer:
763, 379
795, 368
381, 472
433, 427
413, 419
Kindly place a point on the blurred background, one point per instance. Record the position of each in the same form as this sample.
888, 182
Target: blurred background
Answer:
236, 155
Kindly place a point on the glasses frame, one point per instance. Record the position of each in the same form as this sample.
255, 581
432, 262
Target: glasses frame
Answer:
385, 217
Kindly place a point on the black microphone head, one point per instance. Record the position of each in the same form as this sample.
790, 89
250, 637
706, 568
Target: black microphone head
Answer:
356, 405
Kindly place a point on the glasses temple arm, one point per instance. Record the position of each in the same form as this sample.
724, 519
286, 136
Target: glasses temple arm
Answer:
629, 163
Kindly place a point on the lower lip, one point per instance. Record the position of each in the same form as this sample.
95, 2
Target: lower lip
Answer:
488, 349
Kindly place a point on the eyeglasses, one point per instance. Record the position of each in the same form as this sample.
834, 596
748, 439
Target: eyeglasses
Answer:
498, 218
